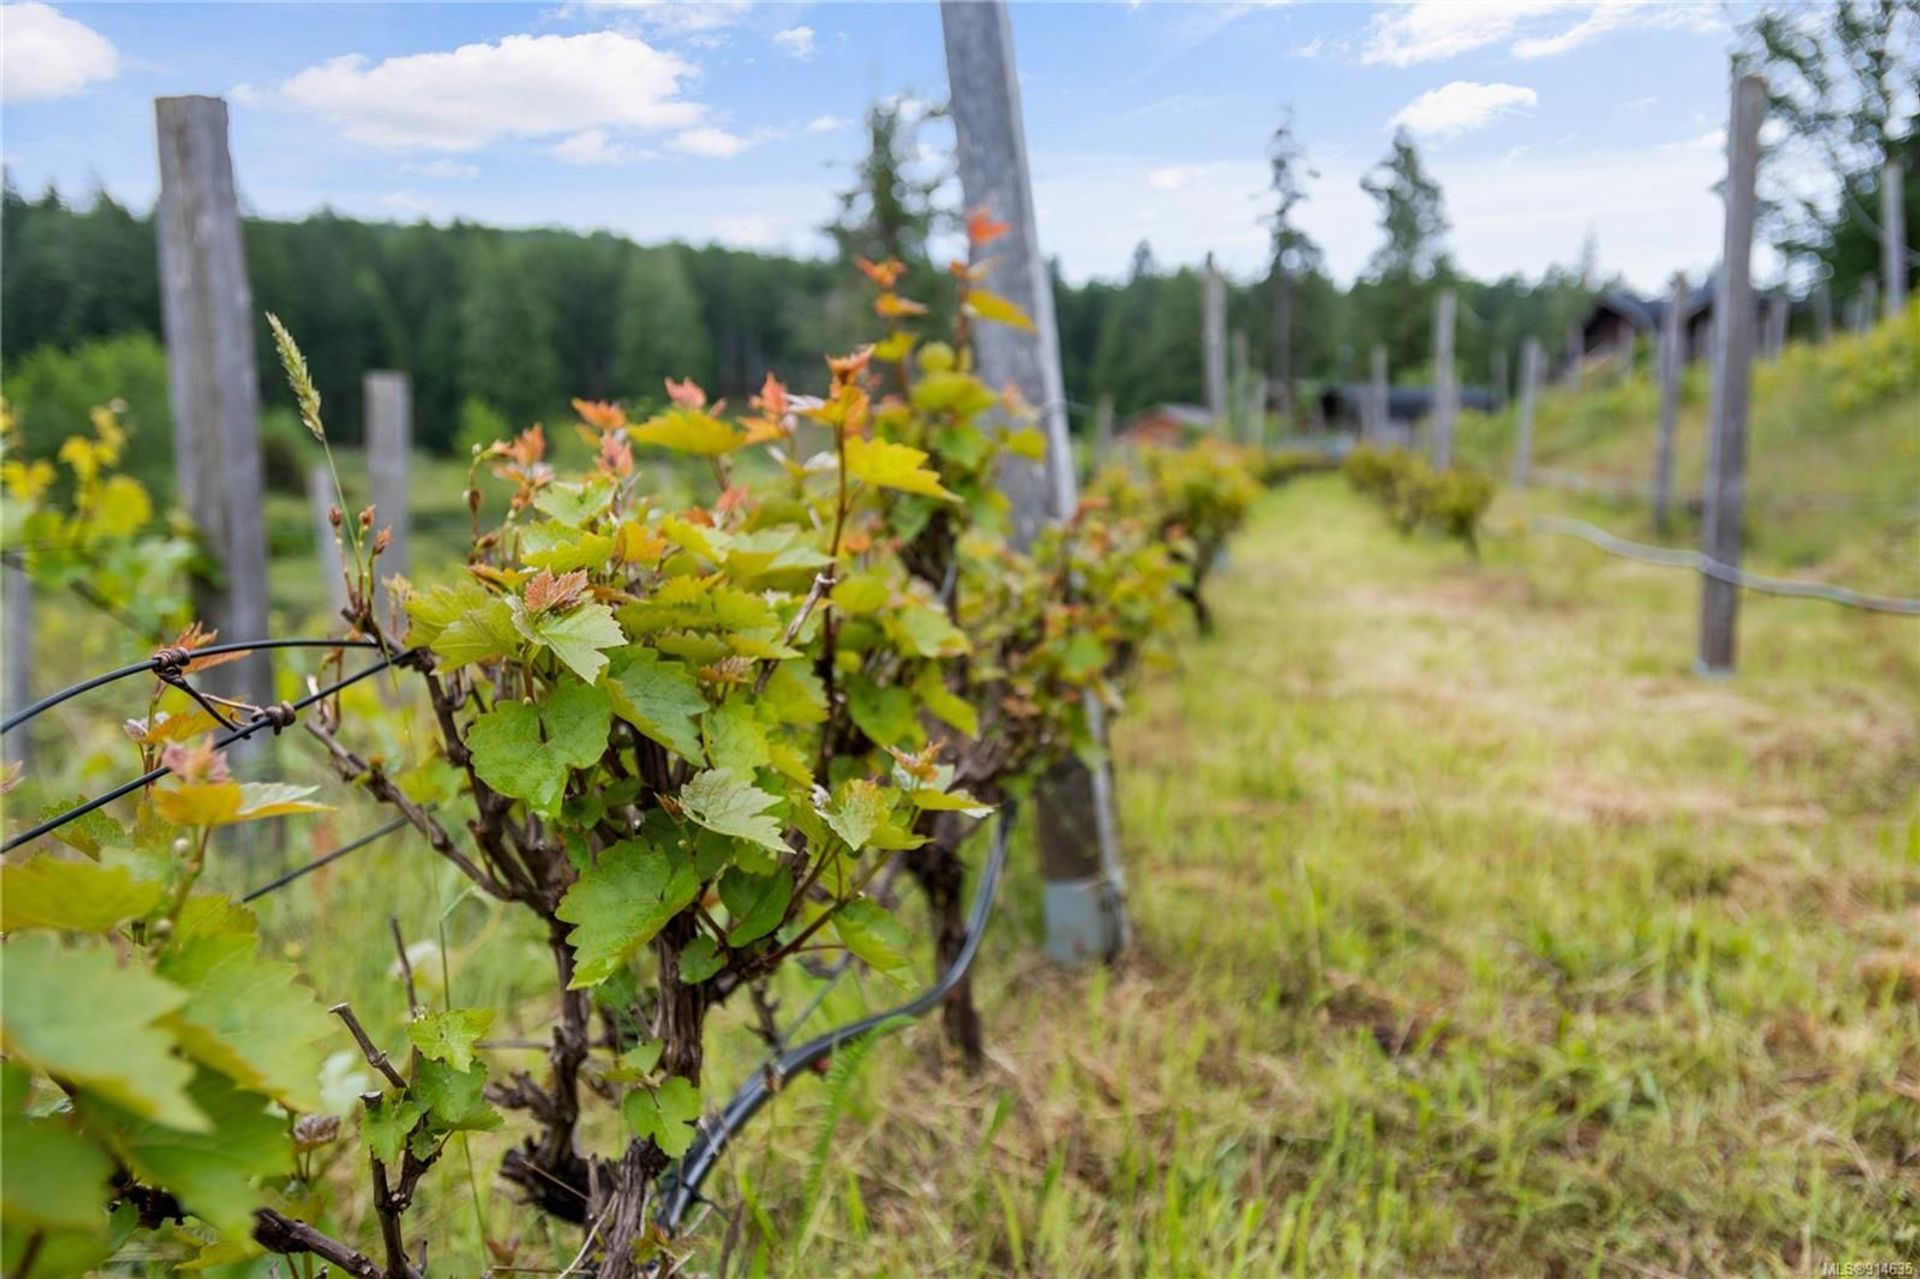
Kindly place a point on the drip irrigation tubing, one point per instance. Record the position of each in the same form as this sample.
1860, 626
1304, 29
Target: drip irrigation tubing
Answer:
681, 1189
274, 717
1674, 557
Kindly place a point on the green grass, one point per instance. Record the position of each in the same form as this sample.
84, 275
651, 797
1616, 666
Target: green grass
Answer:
1476, 936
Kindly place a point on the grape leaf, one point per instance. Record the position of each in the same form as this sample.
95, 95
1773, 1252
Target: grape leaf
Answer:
79, 1015
576, 638
621, 903
861, 593
756, 903
660, 698
214, 1174
524, 752
983, 305
857, 810
667, 1114
882, 712
944, 704
719, 800
871, 933
57, 1180
700, 960
574, 503
885, 464
77, 897
450, 1036
928, 631
689, 431
386, 1125
245, 1016
735, 739
455, 1099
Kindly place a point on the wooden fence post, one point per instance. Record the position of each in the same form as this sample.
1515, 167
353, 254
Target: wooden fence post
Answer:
1445, 389
1214, 335
206, 309
1497, 370
1776, 322
16, 690
1571, 374
1530, 361
1673, 363
1869, 313
1102, 431
1079, 841
326, 541
1720, 539
1374, 419
1237, 387
1823, 313
1893, 235
389, 417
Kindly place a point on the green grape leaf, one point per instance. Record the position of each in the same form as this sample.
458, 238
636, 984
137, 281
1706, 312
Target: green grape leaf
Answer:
462, 624
689, 431
948, 707
983, 305
559, 549
75, 897
756, 903
386, 1125
455, 1099
575, 504
246, 1017
719, 800
667, 1114
858, 809
794, 695
660, 698
927, 631
700, 960
871, 933
621, 904
577, 637
735, 739
56, 1179
214, 1174
512, 755
885, 464
883, 712
92, 833
450, 1036
861, 593
77, 1014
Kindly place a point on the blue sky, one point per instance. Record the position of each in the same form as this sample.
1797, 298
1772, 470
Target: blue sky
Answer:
735, 122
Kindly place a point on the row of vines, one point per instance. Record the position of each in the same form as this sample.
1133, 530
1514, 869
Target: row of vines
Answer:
686, 736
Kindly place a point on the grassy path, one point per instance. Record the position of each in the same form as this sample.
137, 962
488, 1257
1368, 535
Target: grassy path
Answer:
1476, 935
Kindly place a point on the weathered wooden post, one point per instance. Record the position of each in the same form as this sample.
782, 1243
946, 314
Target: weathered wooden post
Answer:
1531, 358
1253, 407
1085, 900
1445, 390
1214, 334
1776, 325
1237, 387
1726, 491
1893, 235
1673, 362
16, 689
1497, 370
389, 416
1628, 348
1102, 431
326, 540
1823, 312
1373, 420
1571, 373
1869, 313
206, 309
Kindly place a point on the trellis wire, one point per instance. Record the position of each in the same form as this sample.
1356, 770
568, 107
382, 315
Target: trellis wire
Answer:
271, 717
681, 1189
1673, 557
326, 859
1575, 482
158, 662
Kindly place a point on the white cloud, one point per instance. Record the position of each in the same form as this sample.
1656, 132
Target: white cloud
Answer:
827, 123
1434, 30
1456, 108
1312, 48
795, 42
709, 141
45, 54
443, 169
405, 202
1175, 176
595, 147
697, 22
525, 86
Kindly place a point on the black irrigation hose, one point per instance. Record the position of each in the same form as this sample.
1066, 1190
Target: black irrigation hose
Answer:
157, 663
327, 859
267, 719
681, 1188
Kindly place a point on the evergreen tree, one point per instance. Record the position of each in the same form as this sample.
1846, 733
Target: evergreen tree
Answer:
659, 332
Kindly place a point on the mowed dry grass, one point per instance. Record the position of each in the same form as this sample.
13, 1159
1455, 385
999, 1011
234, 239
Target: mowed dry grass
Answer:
1475, 935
